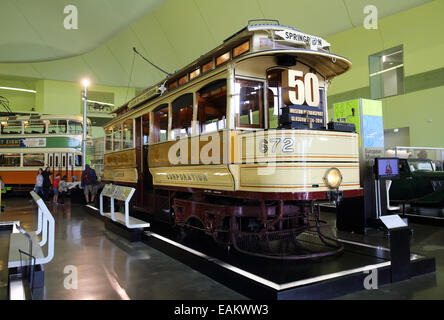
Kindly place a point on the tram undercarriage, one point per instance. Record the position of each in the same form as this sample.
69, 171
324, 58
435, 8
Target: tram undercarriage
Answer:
275, 229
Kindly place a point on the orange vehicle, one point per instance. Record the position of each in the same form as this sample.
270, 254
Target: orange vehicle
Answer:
28, 143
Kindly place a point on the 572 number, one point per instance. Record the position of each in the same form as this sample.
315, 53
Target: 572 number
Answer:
286, 145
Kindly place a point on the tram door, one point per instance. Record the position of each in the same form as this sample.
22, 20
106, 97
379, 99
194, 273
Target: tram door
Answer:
59, 162
145, 180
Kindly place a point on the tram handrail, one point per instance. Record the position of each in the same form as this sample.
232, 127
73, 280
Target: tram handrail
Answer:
128, 224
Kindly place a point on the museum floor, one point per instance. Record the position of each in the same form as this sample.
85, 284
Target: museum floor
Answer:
110, 267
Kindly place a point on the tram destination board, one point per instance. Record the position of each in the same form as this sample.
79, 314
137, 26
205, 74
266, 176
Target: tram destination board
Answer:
301, 117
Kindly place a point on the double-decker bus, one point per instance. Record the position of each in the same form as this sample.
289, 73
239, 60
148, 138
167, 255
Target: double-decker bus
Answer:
237, 144
28, 143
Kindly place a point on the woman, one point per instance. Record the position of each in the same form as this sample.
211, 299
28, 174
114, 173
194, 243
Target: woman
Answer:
46, 183
63, 188
39, 182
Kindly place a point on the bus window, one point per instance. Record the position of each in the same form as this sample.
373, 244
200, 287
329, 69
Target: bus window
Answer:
128, 134
10, 160
250, 103
108, 139
57, 126
145, 128
182, 115
75, 127
78, 160
160, 124
11, 127
34, 160
212, 106
274, 98
117, 137
35, 127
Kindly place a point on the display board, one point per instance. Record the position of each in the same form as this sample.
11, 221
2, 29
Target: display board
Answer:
387, 168
117, 192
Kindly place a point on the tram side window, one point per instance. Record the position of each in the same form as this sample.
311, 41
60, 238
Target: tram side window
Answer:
108, 139
182, 115
212, 106
160, 124
12, 127
75, 127
250, 103
78, 160
35, 127
34, 160
10, 160
57, 126
128, 134
117, 137
145, 129
274, 98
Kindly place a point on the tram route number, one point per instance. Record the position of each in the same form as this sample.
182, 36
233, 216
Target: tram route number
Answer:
286, 145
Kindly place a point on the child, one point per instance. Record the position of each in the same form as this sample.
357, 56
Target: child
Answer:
63, 188
55, 187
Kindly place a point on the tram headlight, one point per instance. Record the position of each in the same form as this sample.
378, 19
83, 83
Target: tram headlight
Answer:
333, 178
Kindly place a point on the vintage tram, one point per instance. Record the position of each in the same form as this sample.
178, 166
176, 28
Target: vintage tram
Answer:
30, 142
237, 145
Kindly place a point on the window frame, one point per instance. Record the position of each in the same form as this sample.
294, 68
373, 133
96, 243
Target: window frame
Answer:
262, 109
196, 102
193, 104
152, 133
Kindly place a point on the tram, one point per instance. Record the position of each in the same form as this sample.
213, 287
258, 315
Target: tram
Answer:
28, 143
237, 144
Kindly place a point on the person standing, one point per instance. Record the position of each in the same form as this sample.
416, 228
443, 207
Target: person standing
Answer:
63, 188
46, 183
39, 183
88, 183
55, 188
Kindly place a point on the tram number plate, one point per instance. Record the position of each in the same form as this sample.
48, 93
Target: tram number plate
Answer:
273, 145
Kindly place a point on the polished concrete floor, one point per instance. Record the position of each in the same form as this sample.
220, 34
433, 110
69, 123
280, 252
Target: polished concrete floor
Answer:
109, 267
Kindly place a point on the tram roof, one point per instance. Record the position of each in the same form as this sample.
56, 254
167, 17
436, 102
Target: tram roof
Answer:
309, 49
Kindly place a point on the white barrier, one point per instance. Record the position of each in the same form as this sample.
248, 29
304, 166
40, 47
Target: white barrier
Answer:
45, 227
124, 194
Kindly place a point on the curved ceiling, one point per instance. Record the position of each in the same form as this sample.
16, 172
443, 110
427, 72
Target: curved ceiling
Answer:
34, 30
171, 35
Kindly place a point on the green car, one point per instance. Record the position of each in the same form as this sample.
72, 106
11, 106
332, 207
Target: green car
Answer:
419, 183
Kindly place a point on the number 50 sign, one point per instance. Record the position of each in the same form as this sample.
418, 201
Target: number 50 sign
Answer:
299, 89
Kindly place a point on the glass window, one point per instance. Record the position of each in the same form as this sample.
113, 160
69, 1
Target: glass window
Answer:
194, 74
183, 80
182, 115
10, 160
117, 137
274, 94
128, 134
387, 73
34, 160
108, 139
160, 124
223, 58
250, 103
244, 47
78, 160
207, 66
75, 127
172, 85
146, 128
34, 127
57, 126
212, 106
11, 127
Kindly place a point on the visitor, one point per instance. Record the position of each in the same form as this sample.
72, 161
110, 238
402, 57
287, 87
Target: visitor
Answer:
55, 188
39, 183
46, 183
63, 189
88, 183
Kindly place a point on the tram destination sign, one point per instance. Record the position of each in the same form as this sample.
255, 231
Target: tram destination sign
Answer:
147, 95
300, 38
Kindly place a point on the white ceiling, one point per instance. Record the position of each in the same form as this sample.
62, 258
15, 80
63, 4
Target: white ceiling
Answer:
171, 33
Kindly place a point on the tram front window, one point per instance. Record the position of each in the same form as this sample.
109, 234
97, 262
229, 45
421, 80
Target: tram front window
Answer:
75, 127
274, 98
34, 160
12, 127
182, 115
250, 103
212, 106
10, 160
128, 134
57, 126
